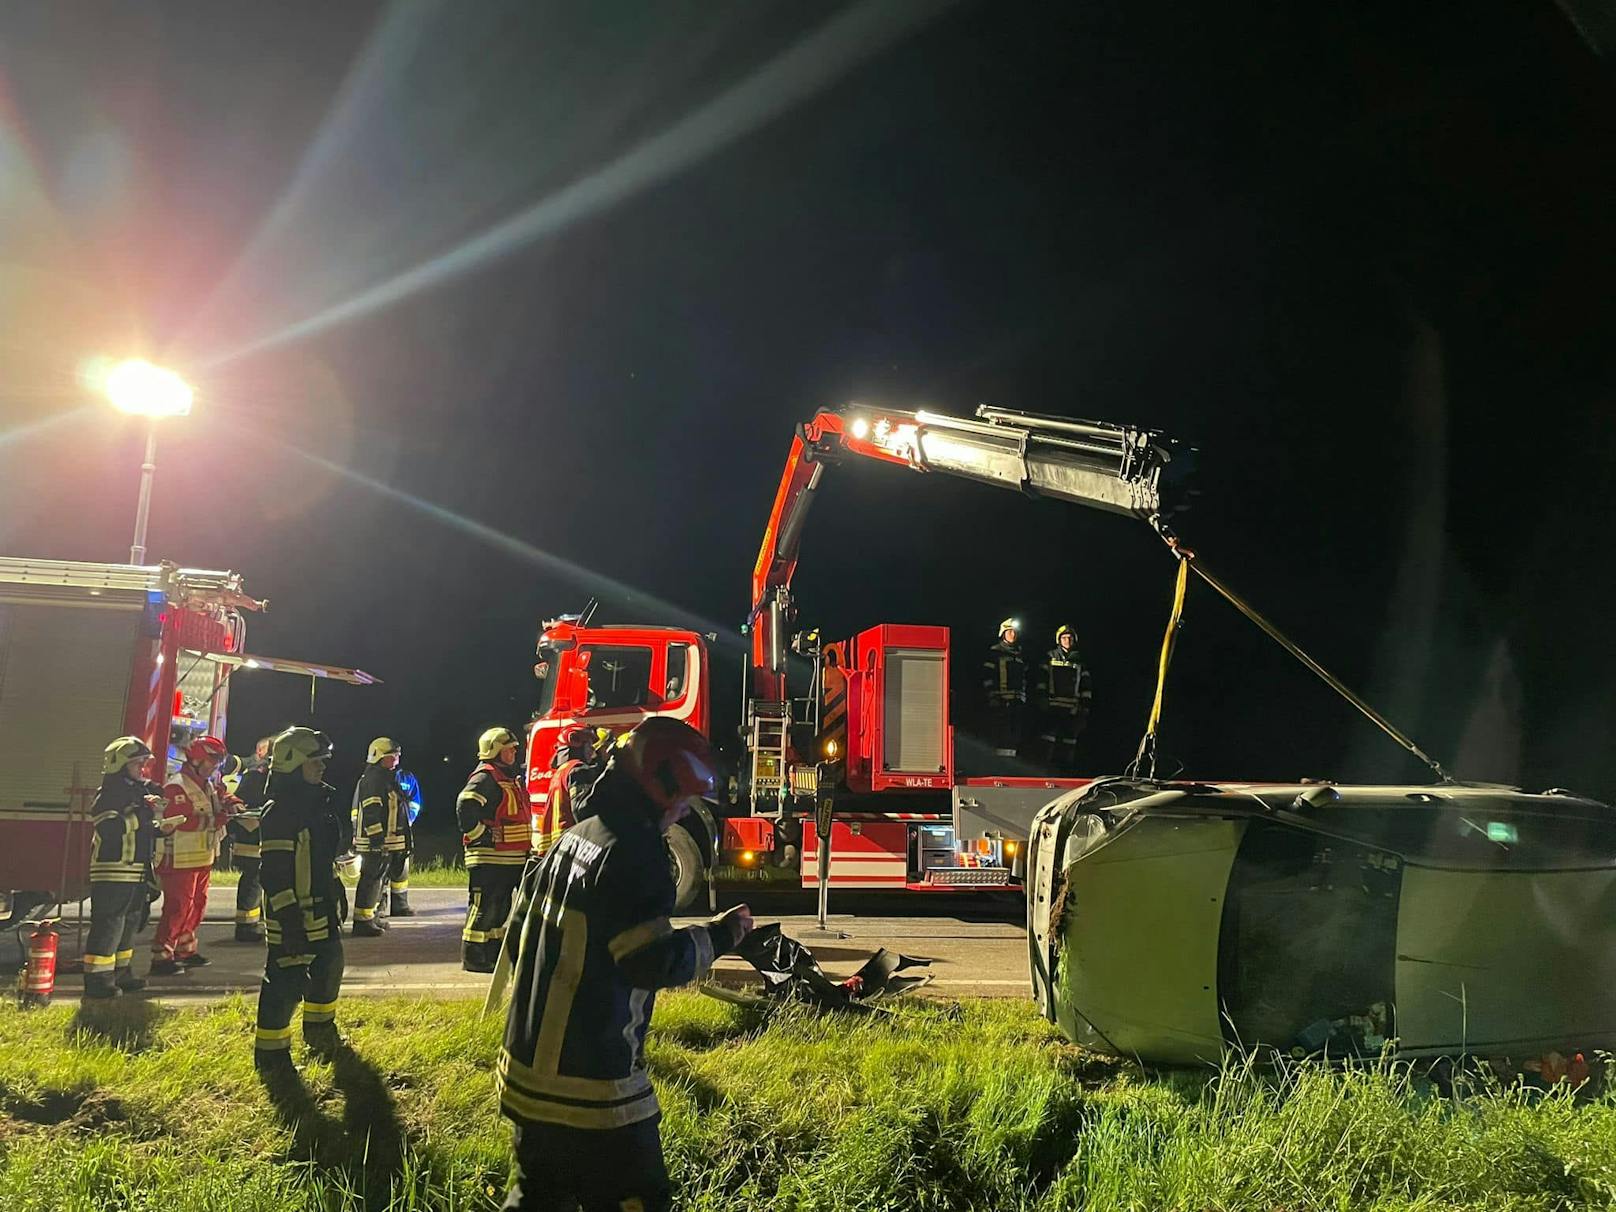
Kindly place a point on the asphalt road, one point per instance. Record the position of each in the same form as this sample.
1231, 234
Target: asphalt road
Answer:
977, 947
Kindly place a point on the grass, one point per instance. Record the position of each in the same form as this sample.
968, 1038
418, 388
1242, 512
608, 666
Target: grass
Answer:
973, 1105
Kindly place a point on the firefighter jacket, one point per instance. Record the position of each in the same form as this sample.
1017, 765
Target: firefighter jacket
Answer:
569, 787
124, 840
495, 825
1063, 682
301, 836
589, 945
1004, 675
204, 808
383, 823
243, 827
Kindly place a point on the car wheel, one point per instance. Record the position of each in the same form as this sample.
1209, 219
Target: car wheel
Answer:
685, 865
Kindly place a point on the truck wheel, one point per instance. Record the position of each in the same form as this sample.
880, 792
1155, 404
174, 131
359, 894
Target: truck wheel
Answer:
684, 862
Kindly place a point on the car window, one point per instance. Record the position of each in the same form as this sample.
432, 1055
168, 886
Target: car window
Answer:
1493, 833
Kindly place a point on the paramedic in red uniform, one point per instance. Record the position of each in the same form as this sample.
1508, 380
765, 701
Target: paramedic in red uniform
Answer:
590, 944
203, 806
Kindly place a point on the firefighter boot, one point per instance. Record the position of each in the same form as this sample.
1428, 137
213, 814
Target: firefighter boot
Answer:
250, 932
99, 985
324, 1040
275, 1067
367, 927
128, 981
398, 903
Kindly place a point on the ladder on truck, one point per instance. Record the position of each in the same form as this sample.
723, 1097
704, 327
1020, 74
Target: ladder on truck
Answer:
770, 744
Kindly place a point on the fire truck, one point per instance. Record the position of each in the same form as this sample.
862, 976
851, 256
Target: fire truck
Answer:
89, 652
861, 743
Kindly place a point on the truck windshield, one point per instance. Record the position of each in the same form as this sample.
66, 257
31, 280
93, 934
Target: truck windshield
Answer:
545, 671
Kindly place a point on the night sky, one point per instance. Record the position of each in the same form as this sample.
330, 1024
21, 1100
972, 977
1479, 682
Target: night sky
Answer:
569, 274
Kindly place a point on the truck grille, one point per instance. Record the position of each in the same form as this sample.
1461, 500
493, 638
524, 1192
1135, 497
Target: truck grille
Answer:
962, 877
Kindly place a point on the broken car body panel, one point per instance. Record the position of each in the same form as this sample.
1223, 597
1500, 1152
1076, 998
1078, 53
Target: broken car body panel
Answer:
1169, 922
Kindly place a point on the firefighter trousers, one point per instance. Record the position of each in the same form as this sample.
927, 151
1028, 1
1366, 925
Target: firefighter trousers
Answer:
185, 900
311, 975
1057, 739
109, 948
1005, 726
491, 889
378, 867
249, 894
565, 1169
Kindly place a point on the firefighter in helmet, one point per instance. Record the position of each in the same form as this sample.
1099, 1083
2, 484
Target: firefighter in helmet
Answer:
1064, 696
589, 946
243, 832
382, 835
497, 831
125, 819
1004, 686
197, 797
575, 769
302, 835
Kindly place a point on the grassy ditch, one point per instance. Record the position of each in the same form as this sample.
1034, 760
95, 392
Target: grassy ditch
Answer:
973, 1105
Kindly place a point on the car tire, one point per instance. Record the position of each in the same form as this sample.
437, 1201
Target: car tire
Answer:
686, 866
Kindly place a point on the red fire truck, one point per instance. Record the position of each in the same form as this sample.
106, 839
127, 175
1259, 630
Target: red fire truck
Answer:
89, 652
866, 746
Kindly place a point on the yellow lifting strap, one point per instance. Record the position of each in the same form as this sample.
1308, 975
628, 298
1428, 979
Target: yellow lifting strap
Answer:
1147, 746
1175, 621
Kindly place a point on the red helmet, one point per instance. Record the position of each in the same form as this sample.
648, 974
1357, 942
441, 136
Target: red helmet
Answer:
204, 748
670, 761
576, 738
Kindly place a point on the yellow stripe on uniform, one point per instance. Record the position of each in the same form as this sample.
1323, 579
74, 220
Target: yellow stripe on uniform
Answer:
636, 937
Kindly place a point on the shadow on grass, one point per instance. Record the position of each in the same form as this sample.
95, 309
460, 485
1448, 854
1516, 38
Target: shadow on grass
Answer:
700, 1036
128, 1023
366, 1149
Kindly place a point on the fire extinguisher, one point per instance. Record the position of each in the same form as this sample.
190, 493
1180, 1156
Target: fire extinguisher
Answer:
38, 980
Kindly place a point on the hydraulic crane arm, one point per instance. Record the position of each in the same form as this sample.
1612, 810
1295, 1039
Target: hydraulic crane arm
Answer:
1111, 467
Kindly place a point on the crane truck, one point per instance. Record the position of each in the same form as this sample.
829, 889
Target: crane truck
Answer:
865, 749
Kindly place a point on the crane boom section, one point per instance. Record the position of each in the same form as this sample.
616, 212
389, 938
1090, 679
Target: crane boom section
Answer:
1116, 468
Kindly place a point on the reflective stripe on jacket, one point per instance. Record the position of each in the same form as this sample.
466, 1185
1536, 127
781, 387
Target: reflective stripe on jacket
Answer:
495, 825
300, 836
195, 841
590, 943
125, 832
383, 821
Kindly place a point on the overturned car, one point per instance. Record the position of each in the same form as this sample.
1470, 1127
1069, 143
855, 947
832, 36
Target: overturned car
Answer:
1169, 922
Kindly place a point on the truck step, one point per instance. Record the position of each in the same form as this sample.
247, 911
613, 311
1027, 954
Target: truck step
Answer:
964, 877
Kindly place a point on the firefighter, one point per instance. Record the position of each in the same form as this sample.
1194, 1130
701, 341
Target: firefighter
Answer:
381, 835
1064, 695
203, 806
590, 946
125, 823
497, 831
301, 836
575, 769
1004, 685
243, 833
